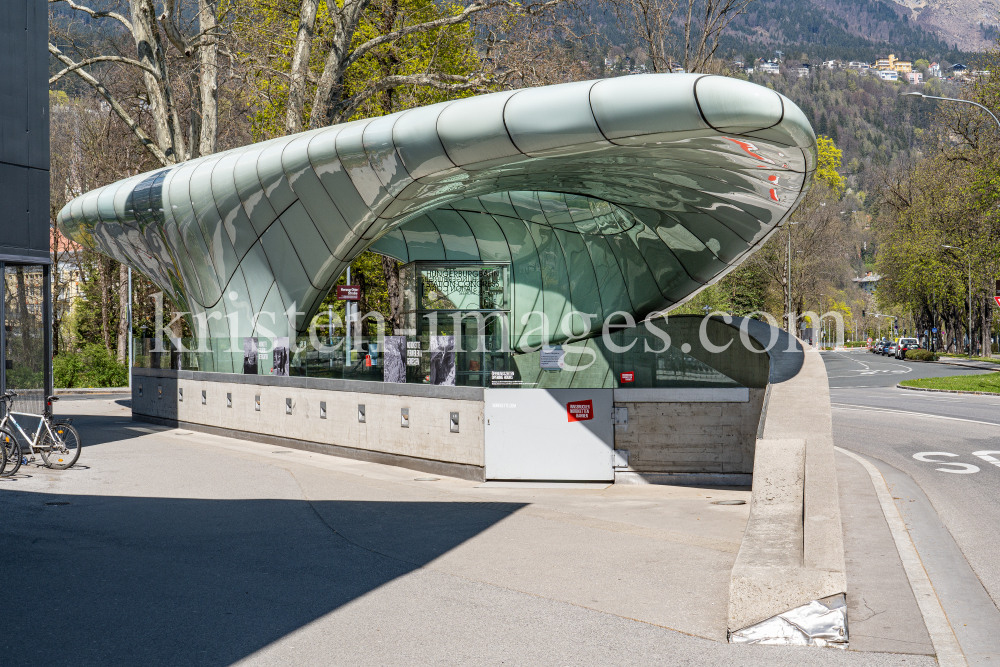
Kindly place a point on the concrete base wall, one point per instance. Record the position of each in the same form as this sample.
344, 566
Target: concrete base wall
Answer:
669, 432
157, 394
691, 437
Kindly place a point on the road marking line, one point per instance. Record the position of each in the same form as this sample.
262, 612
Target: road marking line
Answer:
946, 646
845, 406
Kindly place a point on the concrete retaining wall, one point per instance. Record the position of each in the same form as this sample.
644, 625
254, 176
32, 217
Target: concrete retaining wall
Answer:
688, 435
793, 550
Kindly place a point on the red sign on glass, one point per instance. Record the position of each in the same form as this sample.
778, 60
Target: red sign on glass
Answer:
579, 411
348, 292
628, 376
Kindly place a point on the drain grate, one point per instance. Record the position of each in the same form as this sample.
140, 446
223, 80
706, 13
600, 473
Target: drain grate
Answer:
730, 502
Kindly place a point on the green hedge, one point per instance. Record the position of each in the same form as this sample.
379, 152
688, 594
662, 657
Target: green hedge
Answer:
921, 355
94, 366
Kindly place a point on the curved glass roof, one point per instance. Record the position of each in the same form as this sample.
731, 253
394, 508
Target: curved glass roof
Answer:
626, 194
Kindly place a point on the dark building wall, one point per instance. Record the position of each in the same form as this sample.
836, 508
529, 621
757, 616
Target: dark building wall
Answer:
24, 131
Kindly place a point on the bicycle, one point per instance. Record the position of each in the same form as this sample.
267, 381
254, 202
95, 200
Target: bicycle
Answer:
57, 442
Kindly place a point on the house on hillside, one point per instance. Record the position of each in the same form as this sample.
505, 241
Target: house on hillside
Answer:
869, 282
934, 70
802, 71
887, 74
915, 78
894, 64
770, 67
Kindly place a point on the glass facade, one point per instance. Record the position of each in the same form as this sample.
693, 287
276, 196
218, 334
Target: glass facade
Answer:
597, 201
26, 343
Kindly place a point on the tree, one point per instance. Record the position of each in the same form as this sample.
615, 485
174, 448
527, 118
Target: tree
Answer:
140, 41
827, 164
324, 62
702, 22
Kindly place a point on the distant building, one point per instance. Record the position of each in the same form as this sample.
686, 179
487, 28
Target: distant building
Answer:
868, 283
914, 77
802, 71
770, 68
887, 74
894, 64
832, 64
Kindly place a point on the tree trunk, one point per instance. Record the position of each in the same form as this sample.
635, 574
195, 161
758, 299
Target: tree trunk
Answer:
159, 92
390, 268
123, 332
105, 305
300, 66
208, 56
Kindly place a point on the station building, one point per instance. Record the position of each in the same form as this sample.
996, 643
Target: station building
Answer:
542, 232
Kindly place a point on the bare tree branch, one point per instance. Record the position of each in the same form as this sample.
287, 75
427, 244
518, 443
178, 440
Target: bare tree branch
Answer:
166, 20
132, 124
97, 14
101, 59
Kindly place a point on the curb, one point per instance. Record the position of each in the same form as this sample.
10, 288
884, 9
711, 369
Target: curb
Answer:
950, 391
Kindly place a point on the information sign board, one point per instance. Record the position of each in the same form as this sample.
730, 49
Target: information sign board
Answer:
348, 292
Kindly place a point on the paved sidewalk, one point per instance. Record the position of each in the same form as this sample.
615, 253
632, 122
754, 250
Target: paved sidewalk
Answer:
185, 548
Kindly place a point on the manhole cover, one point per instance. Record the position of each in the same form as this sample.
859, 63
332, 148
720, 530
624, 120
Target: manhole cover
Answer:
425, 479
730, 502
58, 502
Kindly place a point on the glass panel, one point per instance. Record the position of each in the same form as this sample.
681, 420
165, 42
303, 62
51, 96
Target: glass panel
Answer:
24, 308
463, 288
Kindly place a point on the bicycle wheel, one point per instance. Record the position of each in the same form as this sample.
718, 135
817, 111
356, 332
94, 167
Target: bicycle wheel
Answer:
12, 450
64, 451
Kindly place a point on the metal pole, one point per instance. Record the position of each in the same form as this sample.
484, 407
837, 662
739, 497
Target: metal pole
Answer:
329, 321
968, 258
47, 324
131, 347
788, 279
347, 326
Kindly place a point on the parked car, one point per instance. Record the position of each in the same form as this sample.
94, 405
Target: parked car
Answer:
890, 349
906, 344
878, 347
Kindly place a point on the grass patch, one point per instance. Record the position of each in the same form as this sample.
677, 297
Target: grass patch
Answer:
989, 382
948, 355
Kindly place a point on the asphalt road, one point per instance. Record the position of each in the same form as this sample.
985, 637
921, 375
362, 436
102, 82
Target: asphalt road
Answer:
934, 450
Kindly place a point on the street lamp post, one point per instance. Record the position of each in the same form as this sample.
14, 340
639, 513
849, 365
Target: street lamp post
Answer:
788, 278
968, 259
952, 99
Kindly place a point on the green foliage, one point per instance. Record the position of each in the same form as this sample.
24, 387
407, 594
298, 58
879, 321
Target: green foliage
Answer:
989, 382
449, 50
94, 366
921, 355
828, 163
742, 292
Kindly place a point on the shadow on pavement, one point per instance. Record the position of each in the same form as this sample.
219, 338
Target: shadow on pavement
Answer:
170, 581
